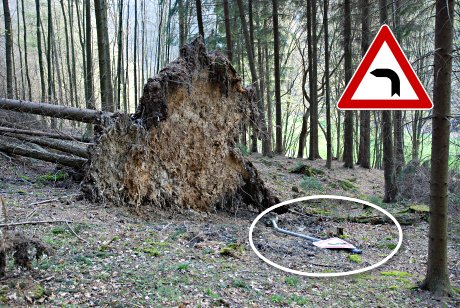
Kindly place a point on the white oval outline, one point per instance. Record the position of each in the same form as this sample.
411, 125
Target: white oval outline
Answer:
338, 274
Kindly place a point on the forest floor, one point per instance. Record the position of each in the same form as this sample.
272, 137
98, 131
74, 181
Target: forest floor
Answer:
204, 259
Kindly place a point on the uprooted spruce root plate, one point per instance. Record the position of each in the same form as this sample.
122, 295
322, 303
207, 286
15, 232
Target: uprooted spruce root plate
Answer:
375, 241
179, 150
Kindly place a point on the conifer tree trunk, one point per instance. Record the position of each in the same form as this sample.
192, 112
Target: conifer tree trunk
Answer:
8, 49
391, 189
89, 94
103, 47
398, 129
314, 150
199, 17
364, 115
437, 275
228, 31
327, 86
348, 131
26, 61
182, 20
276, 49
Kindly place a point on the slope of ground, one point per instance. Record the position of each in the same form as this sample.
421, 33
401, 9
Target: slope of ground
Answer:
111, 257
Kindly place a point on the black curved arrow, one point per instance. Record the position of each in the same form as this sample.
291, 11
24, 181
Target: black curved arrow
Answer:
392, 75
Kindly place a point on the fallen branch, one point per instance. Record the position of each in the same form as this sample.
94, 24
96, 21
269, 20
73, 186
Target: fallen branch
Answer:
39, 222
59, 145
10, 146
51, 200
57, 111
45, 134
74, 233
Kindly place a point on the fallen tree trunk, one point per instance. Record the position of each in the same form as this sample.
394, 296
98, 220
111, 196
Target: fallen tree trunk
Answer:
11, 146
178, 150
59, 145
62, 136
57, 111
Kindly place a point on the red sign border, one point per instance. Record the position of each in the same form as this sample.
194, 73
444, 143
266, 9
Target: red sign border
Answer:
422, 103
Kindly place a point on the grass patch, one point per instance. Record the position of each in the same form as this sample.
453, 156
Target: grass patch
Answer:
152, 248
182, 267
232, 249
212, 295
298, 300
301, 168
347, 185
239, 283
309, 183
277, 299
396, 274
355, 258
292, 281
53, 177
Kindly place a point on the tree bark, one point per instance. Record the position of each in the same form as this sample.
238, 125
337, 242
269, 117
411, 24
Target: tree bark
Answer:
398, 128
103, 47
12, 146
364, 155
55, 144
61, 136
199, 17
276, 49
391, 189
26, 63
314, 150
437, 275
8, 49
62, 112
327, 87
348, 131
228, 31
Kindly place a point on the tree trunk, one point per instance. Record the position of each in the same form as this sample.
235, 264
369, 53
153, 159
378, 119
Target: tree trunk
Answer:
26, 63
269, 99
49, 61
276, 50
314, 150
8, 49
63, 146
199, 18
348, 131
182, 21
103, 48
120, 52
13, 146
327, 87
62, 112
62, 136
228, 31
437, 275
391, 189
90, 101
364, 154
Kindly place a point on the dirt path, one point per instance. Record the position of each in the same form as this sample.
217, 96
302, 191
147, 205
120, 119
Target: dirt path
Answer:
192, 259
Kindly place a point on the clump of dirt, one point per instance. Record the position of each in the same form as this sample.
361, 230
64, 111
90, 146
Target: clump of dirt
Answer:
178, 150
24, 250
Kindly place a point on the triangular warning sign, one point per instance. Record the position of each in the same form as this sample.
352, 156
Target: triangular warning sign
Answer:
384, 80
